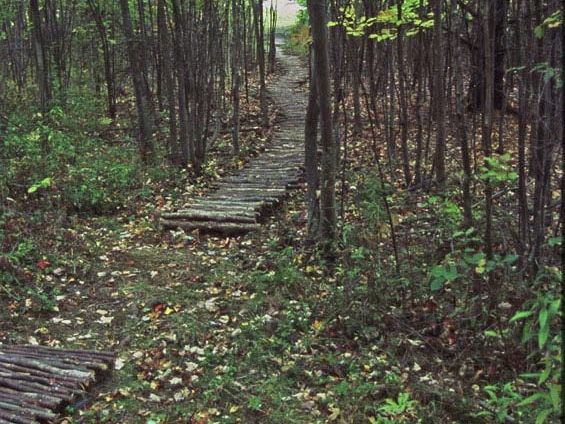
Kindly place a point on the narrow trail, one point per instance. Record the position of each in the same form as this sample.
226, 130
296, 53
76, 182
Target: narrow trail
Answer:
246, 196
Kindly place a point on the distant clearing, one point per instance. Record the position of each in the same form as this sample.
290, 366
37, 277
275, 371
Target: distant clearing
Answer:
287, 10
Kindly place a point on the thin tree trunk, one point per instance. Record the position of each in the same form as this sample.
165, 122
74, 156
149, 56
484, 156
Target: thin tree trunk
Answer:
107, 56
236, 77
260, 36
463, 141
439, 97
488, 116
311, 156
403, 102
42, 68
328, 218
141, 89
168, 78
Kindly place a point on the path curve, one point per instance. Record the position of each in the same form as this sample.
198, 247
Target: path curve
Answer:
249, 194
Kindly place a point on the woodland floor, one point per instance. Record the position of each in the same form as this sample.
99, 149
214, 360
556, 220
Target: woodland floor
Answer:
255, 328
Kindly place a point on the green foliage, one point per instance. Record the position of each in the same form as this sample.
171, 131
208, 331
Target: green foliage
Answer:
548, 73
540, 318
386, 23
44, 183
298, 35
498, 170
555, 20
74, 170
465, 263
400, 410
371, 198
448, 212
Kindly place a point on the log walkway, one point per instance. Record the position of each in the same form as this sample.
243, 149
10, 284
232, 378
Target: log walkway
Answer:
37, 382
243, 198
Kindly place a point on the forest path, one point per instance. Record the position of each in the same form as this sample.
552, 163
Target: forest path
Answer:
249, 194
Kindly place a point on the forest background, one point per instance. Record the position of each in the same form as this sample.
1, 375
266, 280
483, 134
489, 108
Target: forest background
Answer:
439, 298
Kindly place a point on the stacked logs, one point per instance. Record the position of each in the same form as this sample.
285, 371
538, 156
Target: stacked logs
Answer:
242, 199
37, 382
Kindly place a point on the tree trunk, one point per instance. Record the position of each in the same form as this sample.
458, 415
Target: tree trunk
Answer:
107, 57
260, 39
403, 102
488, 116
497, 18
311, 155
236, 76
328, 219
439, 96
463, 142
41, 61
42, 69
141, 89
168, 77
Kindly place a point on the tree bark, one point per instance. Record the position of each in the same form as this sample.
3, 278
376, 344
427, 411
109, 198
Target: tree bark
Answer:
107, 57
328, 218
141, 89
312, 175
260, 39
488, 116
439, 96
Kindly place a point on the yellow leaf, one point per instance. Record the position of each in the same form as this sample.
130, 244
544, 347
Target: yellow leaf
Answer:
234, 409
480, 268
169, 311
317, 325
335, 412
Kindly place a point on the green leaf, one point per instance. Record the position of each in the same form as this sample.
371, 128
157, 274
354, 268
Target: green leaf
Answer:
516, 68
543, 336
530, 375
542, 416
46, 182
436, 284
543, 315
554, 306
452, 273
531, 399
438, 271
510, 259
545, 374
521, 315
538, 31
555, 241
555, 394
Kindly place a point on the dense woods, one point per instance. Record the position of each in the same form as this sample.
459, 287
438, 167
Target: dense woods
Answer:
432, 216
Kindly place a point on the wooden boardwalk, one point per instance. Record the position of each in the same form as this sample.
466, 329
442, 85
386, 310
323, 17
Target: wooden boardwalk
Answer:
241, 199
38, 382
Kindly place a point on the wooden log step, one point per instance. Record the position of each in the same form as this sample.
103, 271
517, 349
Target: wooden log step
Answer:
243, 196
258, 181
234, 188
259, 204
226, 228
36, 382
207, 203
265, 180
216, 216
224, 208
270, 169
250, 185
